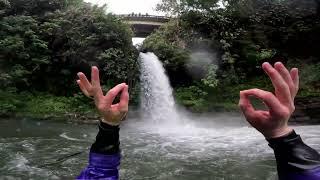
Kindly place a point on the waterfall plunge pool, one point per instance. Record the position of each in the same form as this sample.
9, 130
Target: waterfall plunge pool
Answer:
226, 149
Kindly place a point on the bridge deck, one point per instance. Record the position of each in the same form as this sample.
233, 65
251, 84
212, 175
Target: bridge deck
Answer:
148, 18
144, 25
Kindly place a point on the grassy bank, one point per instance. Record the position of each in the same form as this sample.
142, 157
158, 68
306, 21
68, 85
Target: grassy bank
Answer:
224, 98
45, 106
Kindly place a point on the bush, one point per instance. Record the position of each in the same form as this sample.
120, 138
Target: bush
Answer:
192, 98
39, 105
10, 102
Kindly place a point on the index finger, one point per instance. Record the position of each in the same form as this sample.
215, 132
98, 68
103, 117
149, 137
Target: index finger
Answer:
111, 95
267, 97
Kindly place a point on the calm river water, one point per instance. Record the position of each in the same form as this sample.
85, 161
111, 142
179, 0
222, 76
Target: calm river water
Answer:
223, 148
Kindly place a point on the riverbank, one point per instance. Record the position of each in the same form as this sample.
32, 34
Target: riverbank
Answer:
81, 109
45, 106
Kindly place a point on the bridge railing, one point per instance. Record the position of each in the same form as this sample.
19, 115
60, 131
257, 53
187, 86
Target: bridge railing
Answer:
142, 15
145, 17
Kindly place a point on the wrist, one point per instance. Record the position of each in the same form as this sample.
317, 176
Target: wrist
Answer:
110, 122
105, 126
277, 133
107, 140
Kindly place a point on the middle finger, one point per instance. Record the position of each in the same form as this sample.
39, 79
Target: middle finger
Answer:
286, 76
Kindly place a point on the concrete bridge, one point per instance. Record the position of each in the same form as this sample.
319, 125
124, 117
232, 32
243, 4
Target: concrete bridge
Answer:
144, 24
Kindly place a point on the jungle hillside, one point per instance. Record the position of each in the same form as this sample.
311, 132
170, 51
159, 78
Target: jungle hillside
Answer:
210, 49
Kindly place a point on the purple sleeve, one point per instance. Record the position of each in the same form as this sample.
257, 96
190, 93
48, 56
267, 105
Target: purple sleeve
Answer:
295, 160
313, 174
104, 157
102, 167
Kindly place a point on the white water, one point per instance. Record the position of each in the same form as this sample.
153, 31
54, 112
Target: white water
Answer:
157, 101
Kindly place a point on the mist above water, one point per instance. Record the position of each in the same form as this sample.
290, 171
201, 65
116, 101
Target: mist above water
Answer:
199, 61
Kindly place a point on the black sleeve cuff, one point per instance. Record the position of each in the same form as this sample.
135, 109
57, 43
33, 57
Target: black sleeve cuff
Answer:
293, 155
107, 140
284, 140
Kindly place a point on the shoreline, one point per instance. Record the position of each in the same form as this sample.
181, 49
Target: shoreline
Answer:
307, 113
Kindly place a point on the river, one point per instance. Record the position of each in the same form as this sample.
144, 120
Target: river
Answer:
166, 142
223, 147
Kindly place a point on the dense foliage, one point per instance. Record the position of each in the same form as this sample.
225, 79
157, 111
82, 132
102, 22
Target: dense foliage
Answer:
211, 49
43, 44
237, 37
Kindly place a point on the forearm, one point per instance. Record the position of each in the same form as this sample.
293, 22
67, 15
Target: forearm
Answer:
104, 158
295, 160
107, 140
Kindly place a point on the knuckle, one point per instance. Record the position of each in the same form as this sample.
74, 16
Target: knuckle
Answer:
285, 113
268, 95
272, 72
241, 105
112, 93
293, 108
90, 89
292, 88
283, 85
100, 108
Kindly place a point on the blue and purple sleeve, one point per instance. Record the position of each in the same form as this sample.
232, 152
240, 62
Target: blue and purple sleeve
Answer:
104, 157
295, 160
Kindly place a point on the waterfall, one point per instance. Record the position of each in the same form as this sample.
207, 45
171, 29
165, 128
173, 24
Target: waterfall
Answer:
157, 101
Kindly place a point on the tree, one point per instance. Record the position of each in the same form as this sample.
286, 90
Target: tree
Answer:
22, 50
43, 45
176, 7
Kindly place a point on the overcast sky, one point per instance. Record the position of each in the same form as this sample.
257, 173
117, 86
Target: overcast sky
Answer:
128, 6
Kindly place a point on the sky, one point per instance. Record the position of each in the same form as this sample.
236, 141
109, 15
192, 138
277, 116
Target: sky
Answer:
129, 6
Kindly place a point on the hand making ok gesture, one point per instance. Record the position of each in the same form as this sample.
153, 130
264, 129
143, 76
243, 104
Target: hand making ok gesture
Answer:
112, 113
274, 122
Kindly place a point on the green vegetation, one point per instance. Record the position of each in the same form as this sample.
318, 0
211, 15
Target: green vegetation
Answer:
43, 44
237, 38
42, 105
210, 52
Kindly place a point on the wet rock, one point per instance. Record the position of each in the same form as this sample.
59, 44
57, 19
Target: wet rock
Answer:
307, 111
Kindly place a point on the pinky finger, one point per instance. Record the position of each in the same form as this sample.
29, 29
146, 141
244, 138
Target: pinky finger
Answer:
83, 89
295, 78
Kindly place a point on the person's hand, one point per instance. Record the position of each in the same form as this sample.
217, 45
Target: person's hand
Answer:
112, 113
274, 122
